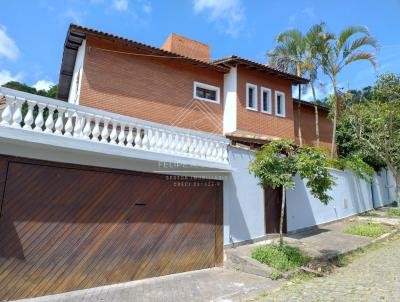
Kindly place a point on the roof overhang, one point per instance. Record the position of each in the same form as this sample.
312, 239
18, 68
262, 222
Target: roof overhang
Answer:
235, 60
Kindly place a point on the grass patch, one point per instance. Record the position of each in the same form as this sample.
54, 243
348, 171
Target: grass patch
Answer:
281, 258
367, 229
393, 212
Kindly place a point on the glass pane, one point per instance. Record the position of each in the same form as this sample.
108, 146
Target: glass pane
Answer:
265, 101
279, 104
206, 93
251, 96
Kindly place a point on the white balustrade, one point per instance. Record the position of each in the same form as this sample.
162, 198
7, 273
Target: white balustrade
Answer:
79, 122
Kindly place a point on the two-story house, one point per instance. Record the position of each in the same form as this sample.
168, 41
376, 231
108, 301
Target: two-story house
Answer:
142, 169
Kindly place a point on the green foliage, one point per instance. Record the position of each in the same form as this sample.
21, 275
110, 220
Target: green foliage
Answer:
277, 163
387, 88
51, 93
394, 204
280, 257
367, 229
393, 212
356, 163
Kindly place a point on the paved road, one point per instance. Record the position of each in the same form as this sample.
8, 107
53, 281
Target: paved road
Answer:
374, 276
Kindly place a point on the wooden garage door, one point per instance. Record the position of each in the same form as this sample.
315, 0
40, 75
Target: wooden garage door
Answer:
65, 227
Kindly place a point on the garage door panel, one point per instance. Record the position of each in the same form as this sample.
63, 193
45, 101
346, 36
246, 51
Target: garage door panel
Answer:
64, 228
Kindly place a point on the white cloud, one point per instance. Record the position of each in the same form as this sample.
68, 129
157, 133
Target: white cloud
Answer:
305, 13
43, 85
8, 47
147, 8
74, 15
6, 76
120, 5
227, 14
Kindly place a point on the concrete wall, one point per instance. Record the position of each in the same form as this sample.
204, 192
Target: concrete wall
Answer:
383, 188
243, 200
351, 195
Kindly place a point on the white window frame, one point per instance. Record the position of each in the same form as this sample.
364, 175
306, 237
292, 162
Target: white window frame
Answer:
282, 94
269, 101
255, 108
209, 87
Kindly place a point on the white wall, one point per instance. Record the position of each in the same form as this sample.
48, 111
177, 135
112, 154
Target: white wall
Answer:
75, 88
383, 188
230, 101
243, 200
351, 195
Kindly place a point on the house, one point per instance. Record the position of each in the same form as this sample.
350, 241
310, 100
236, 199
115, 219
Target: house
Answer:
141, 168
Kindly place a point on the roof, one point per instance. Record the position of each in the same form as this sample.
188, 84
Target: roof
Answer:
320, 106
77, 33
235, 60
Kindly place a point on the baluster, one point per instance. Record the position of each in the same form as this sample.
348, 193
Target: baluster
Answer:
145, 140
208, 149
113, 135
69, 127
50, 119
164, 141
129, 139
185, 146
138, 138
39, 121
121, 136
78, 124
28, 120
157, 140
17, 116
220, 151
225, 153
203, 149
96, 129
199, 146
152, 141
192, 146
213, 147
60, 121
171, 147
87, 130
7, 114
104, 131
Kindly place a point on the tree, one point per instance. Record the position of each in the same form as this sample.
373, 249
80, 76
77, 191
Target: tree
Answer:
376, 124
289, 56
51, 93
278, 162
340, 51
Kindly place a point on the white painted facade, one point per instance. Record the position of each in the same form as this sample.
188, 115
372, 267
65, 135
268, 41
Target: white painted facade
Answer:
230, 101
75, 89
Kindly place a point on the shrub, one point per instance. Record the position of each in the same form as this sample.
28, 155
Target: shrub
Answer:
393, 212
367, 229
280, 257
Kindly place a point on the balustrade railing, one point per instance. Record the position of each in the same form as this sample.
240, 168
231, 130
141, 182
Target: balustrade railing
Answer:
54, 117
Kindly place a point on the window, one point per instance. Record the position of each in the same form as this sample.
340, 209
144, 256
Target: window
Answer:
266, 100
206, 92
280, 104
251, 97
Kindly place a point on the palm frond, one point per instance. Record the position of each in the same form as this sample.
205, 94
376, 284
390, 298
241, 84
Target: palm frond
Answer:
347, 33
349, 48
361, 56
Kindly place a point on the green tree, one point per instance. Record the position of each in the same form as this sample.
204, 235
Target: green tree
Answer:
51, 93
343, 49
278, 162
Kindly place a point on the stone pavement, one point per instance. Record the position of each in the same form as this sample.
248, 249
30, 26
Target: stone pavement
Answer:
373, 276
215, 284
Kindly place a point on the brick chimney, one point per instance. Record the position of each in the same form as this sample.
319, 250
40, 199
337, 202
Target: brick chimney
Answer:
187, 47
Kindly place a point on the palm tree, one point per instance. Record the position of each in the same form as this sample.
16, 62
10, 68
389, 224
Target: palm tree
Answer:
289, 56
345, 48
316, 39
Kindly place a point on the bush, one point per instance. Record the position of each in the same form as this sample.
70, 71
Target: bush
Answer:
393, 212
280, 257
367, 229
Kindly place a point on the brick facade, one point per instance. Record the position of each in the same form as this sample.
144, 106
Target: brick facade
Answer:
150, 88
308, 126
256, 121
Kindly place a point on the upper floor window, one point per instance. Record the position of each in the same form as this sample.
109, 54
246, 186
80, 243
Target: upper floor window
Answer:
266, 106
251, 96
206, 92
280, 109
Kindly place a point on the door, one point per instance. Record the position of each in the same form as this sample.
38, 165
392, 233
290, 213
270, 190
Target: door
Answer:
65, 227
273, 205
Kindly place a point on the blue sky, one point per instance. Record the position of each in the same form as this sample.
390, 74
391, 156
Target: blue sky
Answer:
32, 33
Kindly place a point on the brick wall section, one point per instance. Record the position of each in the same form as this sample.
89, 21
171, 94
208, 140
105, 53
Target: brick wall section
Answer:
154, 89
308, 126
256, 121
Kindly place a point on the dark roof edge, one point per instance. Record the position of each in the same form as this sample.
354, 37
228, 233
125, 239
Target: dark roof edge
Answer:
233, 60
322, 107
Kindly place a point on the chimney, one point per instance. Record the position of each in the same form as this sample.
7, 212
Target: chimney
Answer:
187, 47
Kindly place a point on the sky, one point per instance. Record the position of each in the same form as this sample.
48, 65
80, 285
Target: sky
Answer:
32, 33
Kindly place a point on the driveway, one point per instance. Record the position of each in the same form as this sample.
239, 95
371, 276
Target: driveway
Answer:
215, 284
